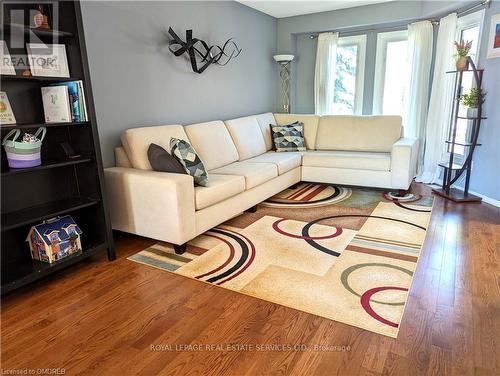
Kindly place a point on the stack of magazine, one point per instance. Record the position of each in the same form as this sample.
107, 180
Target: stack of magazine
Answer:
64, 102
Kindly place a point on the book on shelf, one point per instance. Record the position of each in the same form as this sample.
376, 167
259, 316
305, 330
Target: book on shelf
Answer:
7, 117
76, 100
56, 104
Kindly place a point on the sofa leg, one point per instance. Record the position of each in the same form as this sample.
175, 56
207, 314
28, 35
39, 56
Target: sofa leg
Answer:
401, 192
253, 209
180, 249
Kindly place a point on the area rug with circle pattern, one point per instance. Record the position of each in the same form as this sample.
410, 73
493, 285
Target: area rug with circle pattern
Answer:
345, 254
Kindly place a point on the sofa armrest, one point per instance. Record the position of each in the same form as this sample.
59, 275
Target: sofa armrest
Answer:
157, 205
403, 162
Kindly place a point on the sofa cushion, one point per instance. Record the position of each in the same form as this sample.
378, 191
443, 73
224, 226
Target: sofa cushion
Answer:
358, 133
213, 143
163, 161
265, 120
284, 161
247, 137
218, 188
190, 160
136, 142
310, 125
255, 173
356, 160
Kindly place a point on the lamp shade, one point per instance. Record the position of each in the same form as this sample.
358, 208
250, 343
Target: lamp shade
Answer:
283, 58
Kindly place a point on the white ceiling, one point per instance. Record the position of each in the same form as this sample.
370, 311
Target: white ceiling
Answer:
286, 8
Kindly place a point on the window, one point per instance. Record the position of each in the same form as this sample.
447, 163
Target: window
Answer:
392, 68
349, 75
468, 29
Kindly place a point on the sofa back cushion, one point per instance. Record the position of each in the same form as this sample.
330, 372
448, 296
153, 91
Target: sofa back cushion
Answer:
213, 143
247, 136
136, 142
310, 125
358, 133
265, 120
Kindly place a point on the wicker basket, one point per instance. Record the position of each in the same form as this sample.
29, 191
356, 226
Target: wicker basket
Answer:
23, 154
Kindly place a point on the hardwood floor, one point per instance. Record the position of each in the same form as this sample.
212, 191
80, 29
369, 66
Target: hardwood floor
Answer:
101, 318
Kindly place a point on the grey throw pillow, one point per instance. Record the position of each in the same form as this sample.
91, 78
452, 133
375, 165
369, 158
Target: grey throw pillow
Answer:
161, 160
190, 160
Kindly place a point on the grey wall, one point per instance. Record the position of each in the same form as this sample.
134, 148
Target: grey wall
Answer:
138, 82
485, 178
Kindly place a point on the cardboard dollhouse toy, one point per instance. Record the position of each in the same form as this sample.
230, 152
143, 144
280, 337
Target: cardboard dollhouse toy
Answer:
55, 239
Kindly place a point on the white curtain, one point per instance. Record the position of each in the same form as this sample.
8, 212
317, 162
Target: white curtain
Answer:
420, 40
324, 75
440, 105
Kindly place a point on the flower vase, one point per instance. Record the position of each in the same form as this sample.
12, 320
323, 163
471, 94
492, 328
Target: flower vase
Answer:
472, 112
462, 63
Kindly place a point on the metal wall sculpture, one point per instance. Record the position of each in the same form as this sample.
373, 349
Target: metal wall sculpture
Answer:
200, 53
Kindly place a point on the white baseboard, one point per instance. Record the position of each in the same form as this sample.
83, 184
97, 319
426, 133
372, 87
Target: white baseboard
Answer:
486, 199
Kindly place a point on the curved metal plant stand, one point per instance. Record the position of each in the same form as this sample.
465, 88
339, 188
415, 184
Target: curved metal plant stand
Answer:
452, 170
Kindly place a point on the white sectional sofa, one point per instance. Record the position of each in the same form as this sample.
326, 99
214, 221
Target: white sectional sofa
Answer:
243, 170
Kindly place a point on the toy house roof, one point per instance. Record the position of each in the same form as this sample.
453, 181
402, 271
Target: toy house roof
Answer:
61, 226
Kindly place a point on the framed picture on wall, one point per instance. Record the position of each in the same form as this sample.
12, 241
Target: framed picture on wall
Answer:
494, 39
47, 60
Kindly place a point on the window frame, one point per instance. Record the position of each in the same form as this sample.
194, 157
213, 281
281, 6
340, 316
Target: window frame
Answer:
383, 39
360, 42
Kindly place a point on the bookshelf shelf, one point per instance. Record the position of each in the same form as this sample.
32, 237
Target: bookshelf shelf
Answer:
9, 28
19, 78
47, 165
31, 270
47, 125
33, 215
60, 185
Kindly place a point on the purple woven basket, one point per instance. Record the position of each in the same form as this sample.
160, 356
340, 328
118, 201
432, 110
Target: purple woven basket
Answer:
23, 154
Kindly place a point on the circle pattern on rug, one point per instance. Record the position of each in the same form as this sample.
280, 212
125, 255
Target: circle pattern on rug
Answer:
345, 276
365, 303
308, 195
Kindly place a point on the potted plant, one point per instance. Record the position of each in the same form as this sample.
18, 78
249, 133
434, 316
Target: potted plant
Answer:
463, 49
472, 101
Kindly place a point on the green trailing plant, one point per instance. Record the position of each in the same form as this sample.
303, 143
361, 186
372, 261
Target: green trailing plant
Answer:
473, 99
463, 49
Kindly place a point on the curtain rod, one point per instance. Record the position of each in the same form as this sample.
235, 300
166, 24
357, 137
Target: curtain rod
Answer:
434, 21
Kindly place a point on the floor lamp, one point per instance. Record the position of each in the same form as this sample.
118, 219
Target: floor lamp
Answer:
284, 62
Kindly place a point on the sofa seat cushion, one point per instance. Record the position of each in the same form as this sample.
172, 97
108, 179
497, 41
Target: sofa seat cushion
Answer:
284, 161
254, 173
218, 188
356, 160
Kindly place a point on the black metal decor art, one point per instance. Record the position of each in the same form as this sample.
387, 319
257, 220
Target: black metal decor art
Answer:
200, 53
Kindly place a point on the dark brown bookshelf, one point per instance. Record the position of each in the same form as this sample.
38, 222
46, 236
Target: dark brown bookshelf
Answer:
60, 185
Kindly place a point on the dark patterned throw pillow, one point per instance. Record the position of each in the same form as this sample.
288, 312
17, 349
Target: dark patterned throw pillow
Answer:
289, 137
282, 125
190, 160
